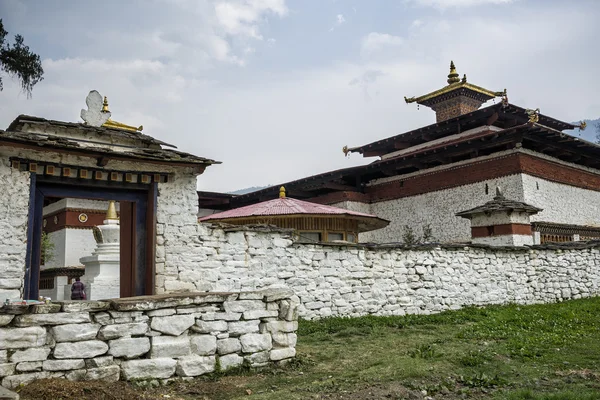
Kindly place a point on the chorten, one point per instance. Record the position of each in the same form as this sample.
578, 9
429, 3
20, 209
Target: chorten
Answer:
457, 98
102, 268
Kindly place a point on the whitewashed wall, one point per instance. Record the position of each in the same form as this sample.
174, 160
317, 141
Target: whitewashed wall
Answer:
562, 204
438, 209
14, 207
351, 281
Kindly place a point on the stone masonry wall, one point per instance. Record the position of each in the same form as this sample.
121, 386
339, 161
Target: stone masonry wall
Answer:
155, 337
384, 280
14, 208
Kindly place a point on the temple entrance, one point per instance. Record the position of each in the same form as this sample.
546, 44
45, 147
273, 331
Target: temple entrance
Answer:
136, 204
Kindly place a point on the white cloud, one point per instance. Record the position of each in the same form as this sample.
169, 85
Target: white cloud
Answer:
375, 42
443, 4
339, 20
243, 17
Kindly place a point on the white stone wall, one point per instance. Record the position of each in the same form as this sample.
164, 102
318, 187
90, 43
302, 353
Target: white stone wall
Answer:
438, 209
14, 208
562, 204
151, 338
69, 246
353, 280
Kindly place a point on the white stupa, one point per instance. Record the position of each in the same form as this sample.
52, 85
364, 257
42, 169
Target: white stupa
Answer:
102, 268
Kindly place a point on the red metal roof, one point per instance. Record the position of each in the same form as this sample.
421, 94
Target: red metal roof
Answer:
289, 206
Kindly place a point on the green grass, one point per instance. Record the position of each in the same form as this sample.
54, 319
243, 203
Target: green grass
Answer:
549, 352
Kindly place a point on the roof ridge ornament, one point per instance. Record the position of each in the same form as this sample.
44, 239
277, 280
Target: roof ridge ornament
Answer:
534, 115
282, 192
117, 125
453, 75
95, 115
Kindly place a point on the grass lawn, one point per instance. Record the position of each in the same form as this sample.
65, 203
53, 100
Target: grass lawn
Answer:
496, 352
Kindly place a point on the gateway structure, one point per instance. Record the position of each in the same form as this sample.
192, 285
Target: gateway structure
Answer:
421, 178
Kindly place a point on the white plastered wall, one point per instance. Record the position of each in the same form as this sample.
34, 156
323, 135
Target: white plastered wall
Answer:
438, 209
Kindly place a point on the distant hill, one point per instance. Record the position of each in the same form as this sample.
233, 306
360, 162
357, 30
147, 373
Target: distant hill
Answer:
590, 131
248, 190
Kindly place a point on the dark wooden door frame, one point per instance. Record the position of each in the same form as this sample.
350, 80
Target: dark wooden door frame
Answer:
142, 227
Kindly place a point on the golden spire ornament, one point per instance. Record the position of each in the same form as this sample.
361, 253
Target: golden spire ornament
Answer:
453, 75
282, 192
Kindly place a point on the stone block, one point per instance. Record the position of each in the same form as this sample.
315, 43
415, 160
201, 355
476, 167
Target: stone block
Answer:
242, 327
7, 369
282, 354
156, 368
210, 326
241, 306
44, 308
258, 359
288, 310
29, 366
281, 339
85, 305
221, 316
255, 342
115, 331
98, 362
32, 354
6, 394
16, 338
5, 319
170, 346
195, 365
75, 332
109, 373
51, 319
129, 347
102, 318
63, 365
86, 349
173, 325
257, 314
203, 345
281, 326
3, 356
228, 346
14, 381
275, 294
165, 312
230, 361
251, 295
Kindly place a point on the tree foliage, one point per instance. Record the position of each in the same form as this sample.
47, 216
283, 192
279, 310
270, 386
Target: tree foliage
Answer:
18, 61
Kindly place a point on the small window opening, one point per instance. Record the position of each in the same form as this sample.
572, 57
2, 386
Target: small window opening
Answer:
487, 189
537, 185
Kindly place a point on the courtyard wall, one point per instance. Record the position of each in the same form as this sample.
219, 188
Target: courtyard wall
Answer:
351, 280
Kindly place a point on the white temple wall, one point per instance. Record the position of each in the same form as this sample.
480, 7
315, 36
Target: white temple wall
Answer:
438, 209
562, 203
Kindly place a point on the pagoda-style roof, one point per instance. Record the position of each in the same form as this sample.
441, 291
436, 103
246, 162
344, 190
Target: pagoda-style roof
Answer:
499, 204
96, 141
456, 87
289, 207
498, 115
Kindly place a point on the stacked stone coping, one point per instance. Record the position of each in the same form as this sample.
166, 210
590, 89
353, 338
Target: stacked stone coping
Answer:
153, 337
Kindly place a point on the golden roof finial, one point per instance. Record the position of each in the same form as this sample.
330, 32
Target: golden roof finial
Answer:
453, 75
464, 79
105, 105
111, 213
282, 192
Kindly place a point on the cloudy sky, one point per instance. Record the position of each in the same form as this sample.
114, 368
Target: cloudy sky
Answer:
275, 88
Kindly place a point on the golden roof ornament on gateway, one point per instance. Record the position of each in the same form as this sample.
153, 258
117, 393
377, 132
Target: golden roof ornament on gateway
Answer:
99, 115
117, 125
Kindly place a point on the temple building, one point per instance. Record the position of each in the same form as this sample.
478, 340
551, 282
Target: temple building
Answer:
420, 179
311, 222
